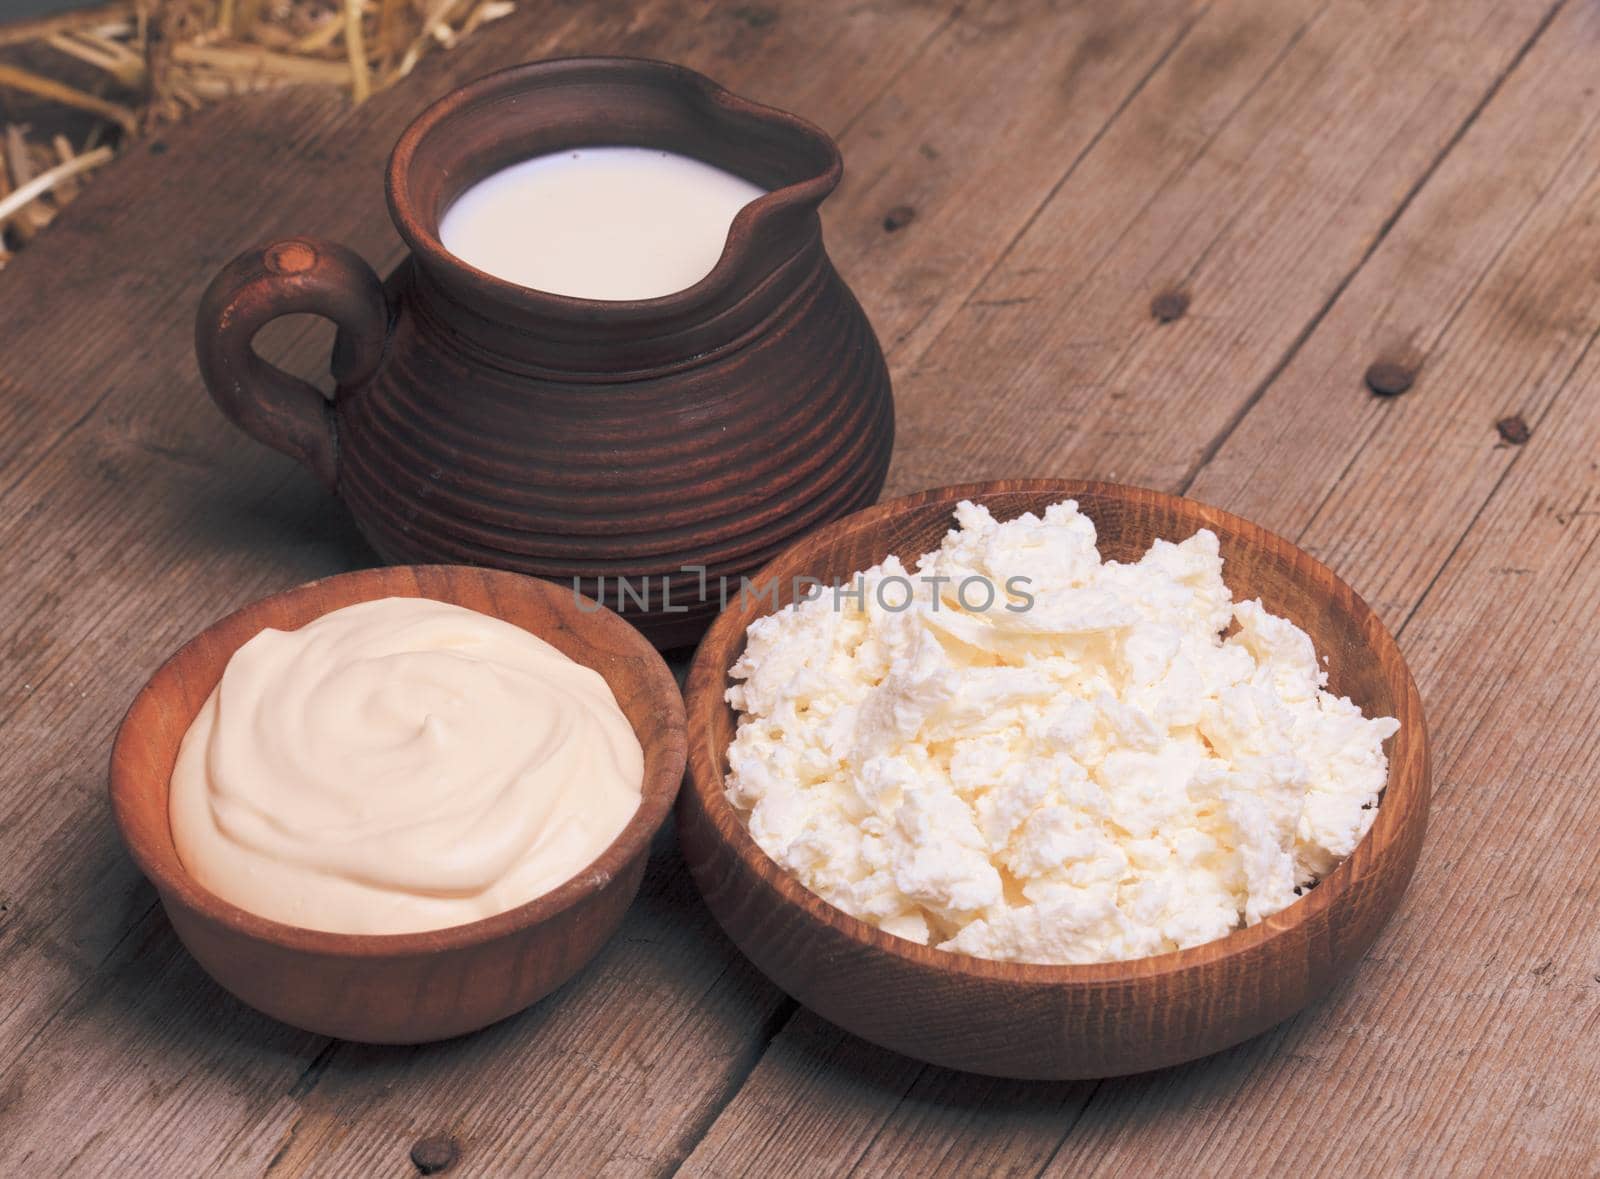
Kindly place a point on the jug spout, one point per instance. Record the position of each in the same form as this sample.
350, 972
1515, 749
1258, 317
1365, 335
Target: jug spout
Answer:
553, 106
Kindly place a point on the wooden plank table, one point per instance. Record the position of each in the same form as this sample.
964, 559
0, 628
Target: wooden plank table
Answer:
1160, 241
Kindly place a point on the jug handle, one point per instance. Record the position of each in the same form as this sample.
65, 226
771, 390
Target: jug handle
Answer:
294, 275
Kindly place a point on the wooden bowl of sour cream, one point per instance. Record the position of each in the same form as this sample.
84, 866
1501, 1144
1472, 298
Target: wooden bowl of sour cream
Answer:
1059, 1021
401, 987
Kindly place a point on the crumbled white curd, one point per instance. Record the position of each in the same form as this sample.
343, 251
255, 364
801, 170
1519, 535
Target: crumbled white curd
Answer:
1097, 777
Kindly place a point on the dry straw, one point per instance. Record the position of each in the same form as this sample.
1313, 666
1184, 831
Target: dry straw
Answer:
131, 65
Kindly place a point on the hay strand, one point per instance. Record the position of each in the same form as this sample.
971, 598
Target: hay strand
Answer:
355, 46
115, 58
16, 78
251, 68
27, 31
24, 195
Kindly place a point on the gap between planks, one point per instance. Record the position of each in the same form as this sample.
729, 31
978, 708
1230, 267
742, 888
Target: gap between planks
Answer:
1220, 440
308, 1080
1214, 446
304, 1090
1567, 381
1050, 194
320, 1064
1564, 388
1217, 443
791, 1008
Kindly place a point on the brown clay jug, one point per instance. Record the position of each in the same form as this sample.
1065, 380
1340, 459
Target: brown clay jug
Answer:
649, 452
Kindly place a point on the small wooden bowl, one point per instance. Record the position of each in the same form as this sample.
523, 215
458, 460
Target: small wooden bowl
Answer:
400, 988
1060, 1022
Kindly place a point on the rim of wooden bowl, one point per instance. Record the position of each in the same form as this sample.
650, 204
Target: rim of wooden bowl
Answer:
664, 762
1403, 792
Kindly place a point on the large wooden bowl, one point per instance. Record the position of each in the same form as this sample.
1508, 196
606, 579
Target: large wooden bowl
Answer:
400, 988
1061, 1022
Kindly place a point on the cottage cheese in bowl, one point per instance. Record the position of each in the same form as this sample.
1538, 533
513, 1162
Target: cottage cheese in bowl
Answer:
1019, 751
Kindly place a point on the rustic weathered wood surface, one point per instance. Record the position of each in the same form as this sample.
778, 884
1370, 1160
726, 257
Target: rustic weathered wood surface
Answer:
1159, 241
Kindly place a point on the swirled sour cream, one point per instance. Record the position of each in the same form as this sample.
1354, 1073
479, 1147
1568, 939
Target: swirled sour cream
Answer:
400, 765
